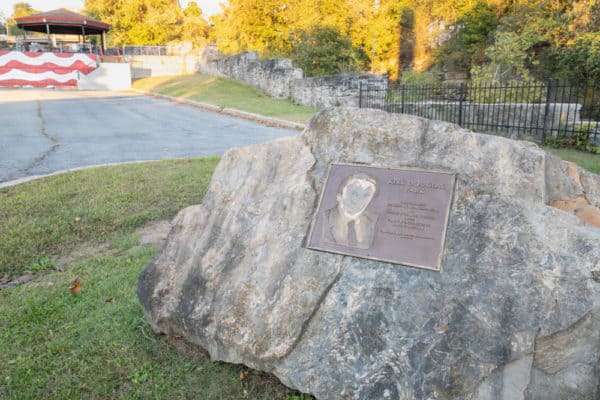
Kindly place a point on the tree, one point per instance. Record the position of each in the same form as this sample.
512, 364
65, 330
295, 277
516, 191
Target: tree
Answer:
418, 34
560, 33
581, 59
20, 10
474, 34
508, 58
195, 28
139, 22
2, 23
272, 27
265, 26
584, 16
324, 51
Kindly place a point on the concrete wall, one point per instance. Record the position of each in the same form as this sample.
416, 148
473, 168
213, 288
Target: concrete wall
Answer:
108, 76
281, 80
146, 66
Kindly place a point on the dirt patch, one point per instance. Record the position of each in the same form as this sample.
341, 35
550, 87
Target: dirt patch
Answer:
6, 282
154, 233
80, 253
192, 352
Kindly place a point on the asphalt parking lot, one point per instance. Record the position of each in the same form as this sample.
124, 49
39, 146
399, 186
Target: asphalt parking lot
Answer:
44, 130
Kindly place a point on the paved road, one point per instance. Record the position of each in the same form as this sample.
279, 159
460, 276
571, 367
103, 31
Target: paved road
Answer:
44, 131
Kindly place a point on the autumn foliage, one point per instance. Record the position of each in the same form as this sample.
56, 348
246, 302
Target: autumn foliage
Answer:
150, 22
487, 39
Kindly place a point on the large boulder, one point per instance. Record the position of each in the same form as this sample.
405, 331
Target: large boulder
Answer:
514, 313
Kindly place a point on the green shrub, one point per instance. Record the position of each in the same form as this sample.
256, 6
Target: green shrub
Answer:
579, 139
325, 51
484, 89
420, 78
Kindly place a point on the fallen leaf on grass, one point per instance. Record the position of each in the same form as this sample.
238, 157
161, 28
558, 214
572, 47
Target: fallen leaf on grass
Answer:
75, 285
242, 376
77, 219
110, 299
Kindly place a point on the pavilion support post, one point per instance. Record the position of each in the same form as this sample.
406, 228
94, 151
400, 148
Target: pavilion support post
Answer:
83, 34
48, 35
103, 39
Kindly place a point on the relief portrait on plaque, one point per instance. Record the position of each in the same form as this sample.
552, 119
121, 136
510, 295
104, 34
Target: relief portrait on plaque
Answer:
388, 214
350, 223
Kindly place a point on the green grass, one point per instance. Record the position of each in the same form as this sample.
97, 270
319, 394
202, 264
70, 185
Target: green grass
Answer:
589, 161
97, 344
226, 93
46, 218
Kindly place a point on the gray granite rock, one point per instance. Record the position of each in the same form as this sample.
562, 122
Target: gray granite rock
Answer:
514, 313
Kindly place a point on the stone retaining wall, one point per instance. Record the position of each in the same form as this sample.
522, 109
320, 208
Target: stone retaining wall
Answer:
280, 79
335, 90
272, 76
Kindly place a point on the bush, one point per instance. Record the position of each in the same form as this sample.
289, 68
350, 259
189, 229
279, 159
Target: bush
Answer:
580, 61
325, 51
419, 78
483, 89
466, 47
578, 140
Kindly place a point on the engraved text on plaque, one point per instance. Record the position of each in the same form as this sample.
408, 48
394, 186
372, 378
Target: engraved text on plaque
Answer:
387, 214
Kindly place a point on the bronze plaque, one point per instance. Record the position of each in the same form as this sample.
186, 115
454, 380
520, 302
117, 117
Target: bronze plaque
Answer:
387, 214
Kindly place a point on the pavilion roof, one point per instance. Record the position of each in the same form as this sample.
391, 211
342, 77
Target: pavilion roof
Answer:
62, 21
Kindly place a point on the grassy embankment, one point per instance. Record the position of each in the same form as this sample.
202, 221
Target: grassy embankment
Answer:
96, 344
226, 93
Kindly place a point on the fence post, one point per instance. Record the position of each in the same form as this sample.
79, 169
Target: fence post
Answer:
461, 99
546, 110
402, 89
360, 84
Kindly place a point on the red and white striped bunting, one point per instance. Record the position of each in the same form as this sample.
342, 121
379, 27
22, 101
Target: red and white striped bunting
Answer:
44, 69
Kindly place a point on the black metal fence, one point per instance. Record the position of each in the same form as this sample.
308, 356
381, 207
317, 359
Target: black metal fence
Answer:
532, 111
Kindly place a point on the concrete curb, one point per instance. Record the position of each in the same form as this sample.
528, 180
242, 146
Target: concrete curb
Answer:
64, 171
262, 119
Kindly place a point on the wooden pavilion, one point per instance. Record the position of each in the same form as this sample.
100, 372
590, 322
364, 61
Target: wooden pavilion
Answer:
66, 22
